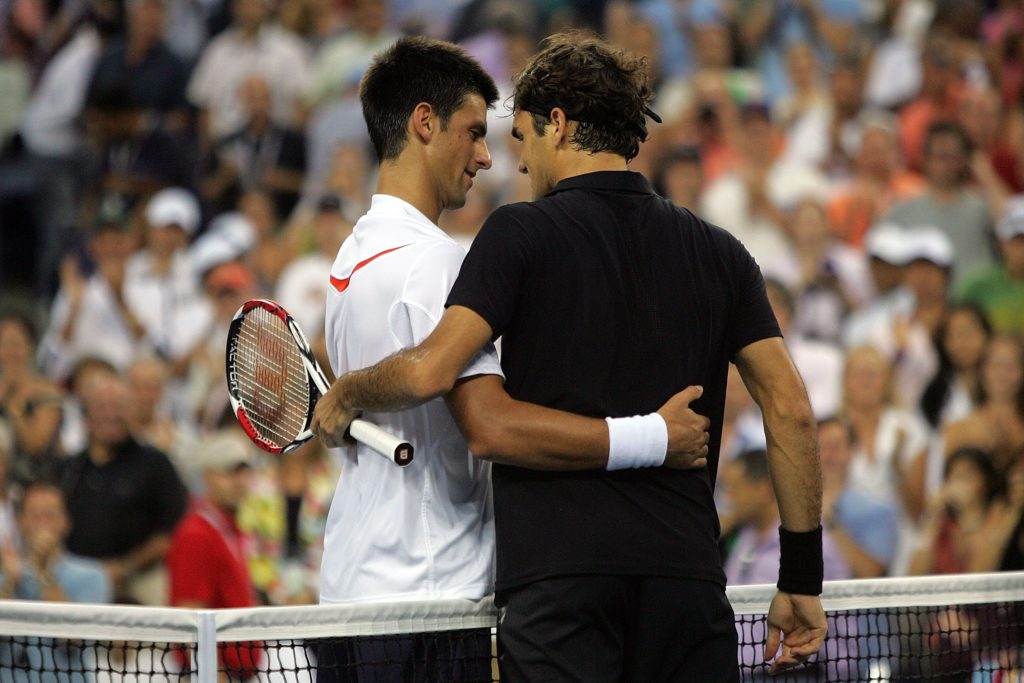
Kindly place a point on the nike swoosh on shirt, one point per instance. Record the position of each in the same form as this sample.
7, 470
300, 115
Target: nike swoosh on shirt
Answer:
341, 284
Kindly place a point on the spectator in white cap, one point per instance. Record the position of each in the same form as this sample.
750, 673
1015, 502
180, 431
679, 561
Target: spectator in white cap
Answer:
999, 289
207, 559
886, 247
160, 284
231, 237
905, 338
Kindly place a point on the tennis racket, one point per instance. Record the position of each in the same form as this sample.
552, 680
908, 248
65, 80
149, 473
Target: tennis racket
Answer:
274, 383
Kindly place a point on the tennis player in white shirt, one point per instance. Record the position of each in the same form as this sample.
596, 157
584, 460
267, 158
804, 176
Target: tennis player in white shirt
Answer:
426, 531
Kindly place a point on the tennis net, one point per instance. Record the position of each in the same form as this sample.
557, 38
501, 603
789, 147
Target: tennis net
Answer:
966, 628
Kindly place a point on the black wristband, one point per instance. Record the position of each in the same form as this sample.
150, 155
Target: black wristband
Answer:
801, 568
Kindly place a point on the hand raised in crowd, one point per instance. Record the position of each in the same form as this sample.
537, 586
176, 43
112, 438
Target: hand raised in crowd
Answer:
41, 548
688, 434
11, 566
72, 281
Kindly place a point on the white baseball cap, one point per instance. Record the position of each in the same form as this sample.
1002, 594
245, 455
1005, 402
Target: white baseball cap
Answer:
229, 237
173, 206
1011, 223
927, 243
224, 451
888, 242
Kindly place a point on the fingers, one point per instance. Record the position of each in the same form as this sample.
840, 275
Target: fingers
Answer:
691, 394
807, 649
783, 662
689, 460
771, 645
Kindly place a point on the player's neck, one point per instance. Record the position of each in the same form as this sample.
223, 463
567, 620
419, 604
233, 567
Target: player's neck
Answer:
399, 180
573, 163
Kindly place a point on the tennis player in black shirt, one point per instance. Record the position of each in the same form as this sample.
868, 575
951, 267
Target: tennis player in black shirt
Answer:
609, 299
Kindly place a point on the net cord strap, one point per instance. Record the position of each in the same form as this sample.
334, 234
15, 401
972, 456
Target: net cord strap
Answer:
64, 620
207, 650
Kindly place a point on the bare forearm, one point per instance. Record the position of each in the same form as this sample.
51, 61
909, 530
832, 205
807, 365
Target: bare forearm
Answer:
512, 432
790, 428
396, 383
152, 550
795, 469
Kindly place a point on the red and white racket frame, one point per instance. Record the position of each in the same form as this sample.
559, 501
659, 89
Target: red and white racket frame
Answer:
398, 451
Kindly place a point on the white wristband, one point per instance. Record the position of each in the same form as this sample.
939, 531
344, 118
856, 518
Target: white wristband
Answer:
639, 441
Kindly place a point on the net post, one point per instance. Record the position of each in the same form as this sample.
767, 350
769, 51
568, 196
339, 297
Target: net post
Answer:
206, 649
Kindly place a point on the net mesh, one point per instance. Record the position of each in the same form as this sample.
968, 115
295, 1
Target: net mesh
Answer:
270, 377
947, 629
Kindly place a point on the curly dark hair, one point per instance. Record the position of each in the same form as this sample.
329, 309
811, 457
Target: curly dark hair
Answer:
603, 88
413, 70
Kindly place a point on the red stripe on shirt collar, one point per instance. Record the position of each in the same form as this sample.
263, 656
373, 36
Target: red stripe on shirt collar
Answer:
341, 284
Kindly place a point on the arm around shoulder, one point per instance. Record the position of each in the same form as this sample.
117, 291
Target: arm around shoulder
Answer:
501, 429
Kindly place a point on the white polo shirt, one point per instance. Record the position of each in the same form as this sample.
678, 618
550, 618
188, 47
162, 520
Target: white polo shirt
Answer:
427, 530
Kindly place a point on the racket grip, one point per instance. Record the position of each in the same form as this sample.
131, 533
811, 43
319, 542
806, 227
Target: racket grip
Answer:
379, 440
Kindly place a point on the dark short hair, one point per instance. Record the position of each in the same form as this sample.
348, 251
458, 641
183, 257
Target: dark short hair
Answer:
37, 486
754, 464
415, 70
683, 154
21, 319
847, 428
940, 128
603, 88
982, 461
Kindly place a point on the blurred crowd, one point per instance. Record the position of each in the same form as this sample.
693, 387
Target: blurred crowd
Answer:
165, 160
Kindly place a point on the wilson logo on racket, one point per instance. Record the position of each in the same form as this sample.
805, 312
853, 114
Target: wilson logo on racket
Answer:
274, 383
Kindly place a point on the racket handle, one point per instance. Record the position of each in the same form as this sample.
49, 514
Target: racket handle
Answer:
379, 440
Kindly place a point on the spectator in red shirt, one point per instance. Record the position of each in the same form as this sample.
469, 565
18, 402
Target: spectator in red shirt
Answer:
207, 559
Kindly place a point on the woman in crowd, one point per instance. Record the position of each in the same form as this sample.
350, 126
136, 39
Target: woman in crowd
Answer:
30, 404
890, 447
953, 526
997, 424
959, 343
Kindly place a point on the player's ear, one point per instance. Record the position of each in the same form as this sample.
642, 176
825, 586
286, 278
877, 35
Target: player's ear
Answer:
423, 122
559, 126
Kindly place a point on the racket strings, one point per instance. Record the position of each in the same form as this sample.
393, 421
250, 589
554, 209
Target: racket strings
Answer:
271, 379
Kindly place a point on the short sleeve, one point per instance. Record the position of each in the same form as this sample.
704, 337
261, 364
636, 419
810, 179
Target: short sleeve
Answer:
418, 310
491, 276
752, 316
417, 313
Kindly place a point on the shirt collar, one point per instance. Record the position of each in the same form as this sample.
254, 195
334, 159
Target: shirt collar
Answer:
607, 181
390, 205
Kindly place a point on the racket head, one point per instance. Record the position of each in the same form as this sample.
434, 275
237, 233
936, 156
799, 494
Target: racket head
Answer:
270, 373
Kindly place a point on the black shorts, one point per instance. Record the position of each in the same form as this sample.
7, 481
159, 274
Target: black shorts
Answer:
443, 657
616, 629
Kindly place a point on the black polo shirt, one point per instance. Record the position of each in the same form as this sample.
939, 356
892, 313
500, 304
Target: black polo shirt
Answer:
117, 506
609, 299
